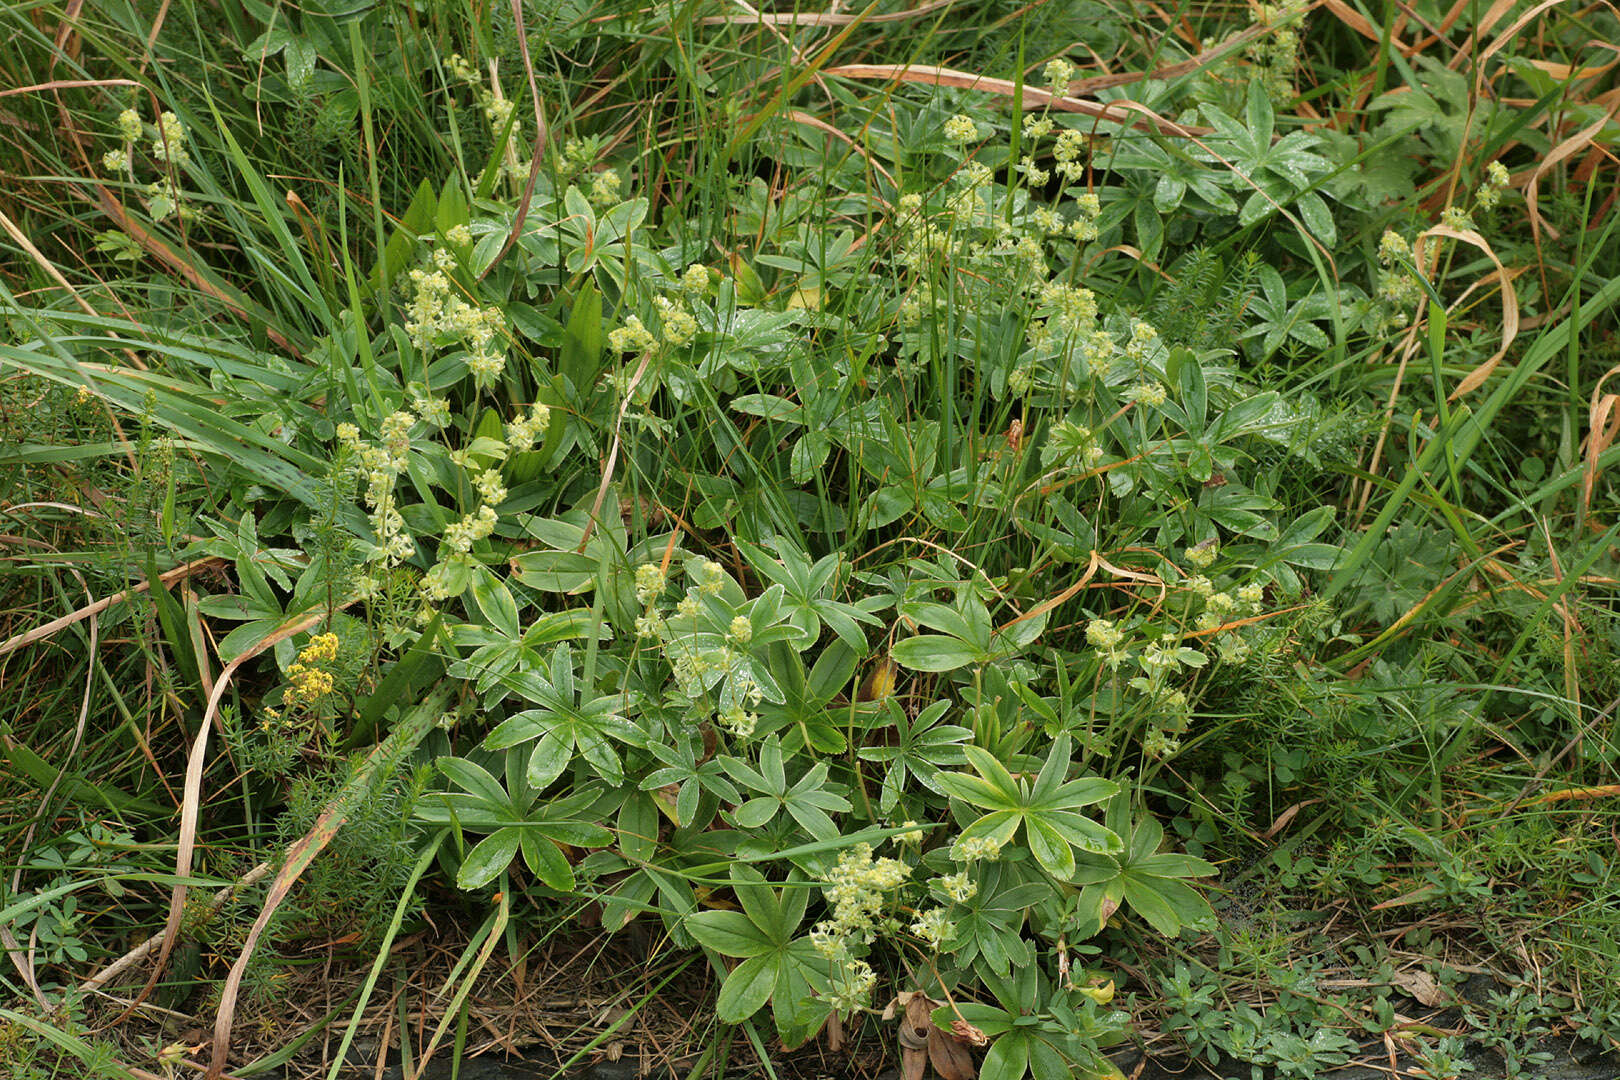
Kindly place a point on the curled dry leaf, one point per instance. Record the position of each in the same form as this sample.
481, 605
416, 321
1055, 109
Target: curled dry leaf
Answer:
950, 1058
914, 1027
966, 1033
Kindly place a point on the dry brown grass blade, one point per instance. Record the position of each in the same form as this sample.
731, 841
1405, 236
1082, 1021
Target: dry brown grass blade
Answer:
1095, 563
302, 852
1602, 428
67, 45
1413, 339
146, 948
1564, 149
1357, 22
1570, 146
1034, 97
1237, 41
613, 451
1510, 300
191, 800
798, 116
167, 578
54, 274
66, 84
24, 961
820, 18
540, 130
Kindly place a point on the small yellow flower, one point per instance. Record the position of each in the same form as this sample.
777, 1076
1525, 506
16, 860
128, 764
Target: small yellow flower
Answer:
961, 129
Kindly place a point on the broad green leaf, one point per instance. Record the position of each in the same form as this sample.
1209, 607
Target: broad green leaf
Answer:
747, 988
729, 933
935, 652
486, 860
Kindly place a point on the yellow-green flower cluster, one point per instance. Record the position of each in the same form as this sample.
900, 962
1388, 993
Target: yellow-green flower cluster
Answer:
1058, 73
1104, 636
1455, 217
961, 129
679, 324
650, 582
1201, 556
711, 577
1491, 188
1398, 287
971, 849
605, 188
170, 142
932, 927
437, 316
696, 279
1150, 393
381, 464
523, 432
857, 889
1275, 56
448, 576
633, 336
497, 108
162, 196
738, 721
959, 887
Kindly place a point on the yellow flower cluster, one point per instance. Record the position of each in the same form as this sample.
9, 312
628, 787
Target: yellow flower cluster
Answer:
308, 681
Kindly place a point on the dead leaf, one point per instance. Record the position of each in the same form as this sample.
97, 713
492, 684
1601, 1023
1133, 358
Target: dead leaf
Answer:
951, 1060
914, 1028
965, 1032
1421, 985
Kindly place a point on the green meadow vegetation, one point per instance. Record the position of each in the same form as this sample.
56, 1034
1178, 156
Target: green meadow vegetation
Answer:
1087, 527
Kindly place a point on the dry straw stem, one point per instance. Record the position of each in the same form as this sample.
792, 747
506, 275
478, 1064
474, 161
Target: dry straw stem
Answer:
1569, 146
151, 944
67, 45
166, 579
24, 961
539, 140
1412, 340
191, 799
1603, 425
811, 18
302, 852
1034, 97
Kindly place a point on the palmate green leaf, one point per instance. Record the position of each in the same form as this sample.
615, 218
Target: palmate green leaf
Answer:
729, 933
936, 652
546, 861
1048, 810
487, 859
748, 988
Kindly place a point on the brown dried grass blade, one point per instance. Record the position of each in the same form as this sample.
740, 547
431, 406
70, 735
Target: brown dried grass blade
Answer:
410, 731
527, 199
1603, 427
1034, 97
66, 84
191, 800
1510, 301
167, 578
820, 18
